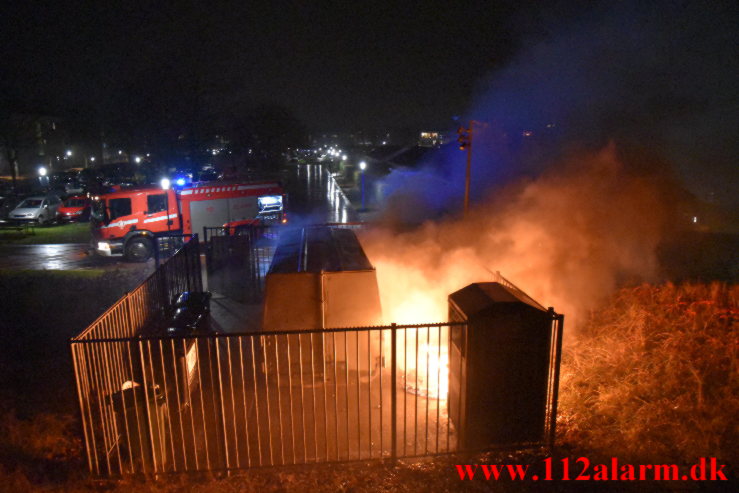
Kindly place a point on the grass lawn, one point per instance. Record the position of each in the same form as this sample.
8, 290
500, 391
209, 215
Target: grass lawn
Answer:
61, 233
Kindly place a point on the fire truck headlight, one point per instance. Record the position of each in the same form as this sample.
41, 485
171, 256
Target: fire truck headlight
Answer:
103, 245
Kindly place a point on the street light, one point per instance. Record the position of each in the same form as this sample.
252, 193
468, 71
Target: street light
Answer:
362, 167
137, 159
69, 153
42, 178
92, 159
343, 158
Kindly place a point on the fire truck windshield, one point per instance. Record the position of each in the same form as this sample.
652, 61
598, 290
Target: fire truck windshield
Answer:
97, 211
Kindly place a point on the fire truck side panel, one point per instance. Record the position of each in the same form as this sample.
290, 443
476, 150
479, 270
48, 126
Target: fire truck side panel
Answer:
206, 213
226, 204
243, 208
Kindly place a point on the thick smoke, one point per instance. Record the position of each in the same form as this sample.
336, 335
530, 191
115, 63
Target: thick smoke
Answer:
567, 239
631, 88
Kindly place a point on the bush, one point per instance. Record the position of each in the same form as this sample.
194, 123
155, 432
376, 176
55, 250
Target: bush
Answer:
654, 376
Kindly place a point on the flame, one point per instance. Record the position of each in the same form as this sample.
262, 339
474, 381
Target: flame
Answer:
426, 372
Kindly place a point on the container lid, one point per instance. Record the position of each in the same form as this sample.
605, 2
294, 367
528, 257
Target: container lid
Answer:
478, 297
317, 249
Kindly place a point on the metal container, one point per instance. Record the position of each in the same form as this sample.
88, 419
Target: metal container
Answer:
321, 278
499, 386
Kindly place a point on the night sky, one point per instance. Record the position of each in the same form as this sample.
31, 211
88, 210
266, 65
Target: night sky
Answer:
337, 65
663, 72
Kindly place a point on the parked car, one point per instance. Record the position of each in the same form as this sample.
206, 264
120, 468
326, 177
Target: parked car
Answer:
42, 209
7, 204
74, 187
76, 208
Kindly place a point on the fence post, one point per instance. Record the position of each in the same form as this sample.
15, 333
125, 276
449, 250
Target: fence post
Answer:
559, 319
393, 392
185, 252
156, 253
198, 267
163, 291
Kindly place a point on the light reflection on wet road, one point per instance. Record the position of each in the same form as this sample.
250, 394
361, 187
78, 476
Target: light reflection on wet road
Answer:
59, 257
313, 197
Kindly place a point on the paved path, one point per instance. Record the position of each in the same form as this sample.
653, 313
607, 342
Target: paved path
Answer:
59, 257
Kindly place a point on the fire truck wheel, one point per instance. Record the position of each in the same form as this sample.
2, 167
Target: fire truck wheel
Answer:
139, 250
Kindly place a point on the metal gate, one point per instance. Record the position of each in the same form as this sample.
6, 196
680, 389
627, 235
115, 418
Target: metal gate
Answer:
237, 261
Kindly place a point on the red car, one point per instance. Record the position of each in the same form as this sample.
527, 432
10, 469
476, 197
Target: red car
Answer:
75, 209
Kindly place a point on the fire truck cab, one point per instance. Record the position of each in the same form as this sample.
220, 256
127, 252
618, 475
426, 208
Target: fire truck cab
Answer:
128, 221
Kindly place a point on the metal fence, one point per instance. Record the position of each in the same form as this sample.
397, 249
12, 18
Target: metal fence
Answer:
222, 402
237, 261
101, 368
233, 401
155, 404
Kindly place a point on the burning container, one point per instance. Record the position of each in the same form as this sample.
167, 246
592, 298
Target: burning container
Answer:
499, 386
321, 278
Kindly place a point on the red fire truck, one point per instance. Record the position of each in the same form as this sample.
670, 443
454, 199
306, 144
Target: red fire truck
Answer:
128, 221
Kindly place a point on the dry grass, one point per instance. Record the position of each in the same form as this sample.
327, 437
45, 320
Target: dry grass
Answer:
654, 376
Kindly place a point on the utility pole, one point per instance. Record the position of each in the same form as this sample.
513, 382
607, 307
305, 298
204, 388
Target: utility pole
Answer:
465, 144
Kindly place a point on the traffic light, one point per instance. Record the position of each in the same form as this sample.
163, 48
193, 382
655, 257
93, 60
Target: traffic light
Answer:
464, 139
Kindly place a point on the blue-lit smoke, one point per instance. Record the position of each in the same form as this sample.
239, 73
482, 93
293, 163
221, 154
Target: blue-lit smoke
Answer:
572, 186
658, 77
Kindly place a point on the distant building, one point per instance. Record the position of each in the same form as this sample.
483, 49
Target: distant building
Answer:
32, 140
431, 139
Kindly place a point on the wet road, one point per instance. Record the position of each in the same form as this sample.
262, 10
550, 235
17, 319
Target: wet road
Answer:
60, 257
313, 197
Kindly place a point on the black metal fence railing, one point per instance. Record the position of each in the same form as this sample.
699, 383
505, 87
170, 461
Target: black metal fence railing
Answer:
215, 402
233, 401
153, 404
102, 368
237, 260
178, 270
237, 263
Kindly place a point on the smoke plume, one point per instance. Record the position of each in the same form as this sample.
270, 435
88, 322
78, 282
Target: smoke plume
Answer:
567, 239
569, 226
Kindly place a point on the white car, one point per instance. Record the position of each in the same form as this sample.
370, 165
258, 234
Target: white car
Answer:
39, 209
